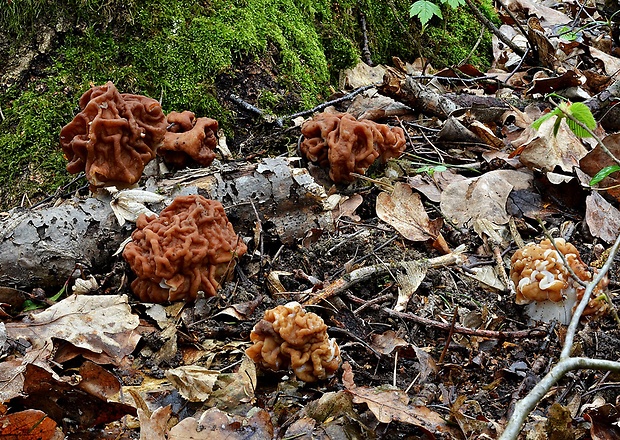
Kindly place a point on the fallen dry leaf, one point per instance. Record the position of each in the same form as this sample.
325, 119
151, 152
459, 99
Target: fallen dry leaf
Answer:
409, 279
195, 383
387, 342
392, 404
602, 218
403, 210
154, 427
547, 151
30, 424
102, 325
214, 424
482, 197
597, 159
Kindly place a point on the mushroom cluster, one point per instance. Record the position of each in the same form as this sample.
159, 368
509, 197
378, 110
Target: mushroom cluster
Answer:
190, 247
346, 145
113, 137
288, 336
541, 280
189, 138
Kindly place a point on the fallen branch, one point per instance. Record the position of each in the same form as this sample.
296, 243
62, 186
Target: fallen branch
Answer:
566, 363
368, 272
491, 334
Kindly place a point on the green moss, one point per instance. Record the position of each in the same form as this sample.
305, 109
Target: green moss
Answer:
176, 51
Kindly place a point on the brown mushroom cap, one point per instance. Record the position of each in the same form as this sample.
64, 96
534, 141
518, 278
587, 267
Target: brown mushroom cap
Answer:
289, 337
539, 274
113, 137
346, 145
188, 139
190, 247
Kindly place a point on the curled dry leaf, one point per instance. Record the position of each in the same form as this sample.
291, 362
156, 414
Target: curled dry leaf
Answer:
101, 325
387, 342
602, 218
482, 197
391, 404
403, 210
217, 425
547, 151
155, 426
30, 424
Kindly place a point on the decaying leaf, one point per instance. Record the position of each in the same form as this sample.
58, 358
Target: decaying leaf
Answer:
391, 404
602, 218
195, 383
214, 424
30, 424
102, 325
548, 150
482, 197
128, 204
154, 427
63, 401
597, 159
387, 342
409, 280
404, 211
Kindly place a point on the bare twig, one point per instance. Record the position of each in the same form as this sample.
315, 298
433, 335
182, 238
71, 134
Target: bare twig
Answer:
491, 334
368, 272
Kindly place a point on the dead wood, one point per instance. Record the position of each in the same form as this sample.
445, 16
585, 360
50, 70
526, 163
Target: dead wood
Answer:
42, 247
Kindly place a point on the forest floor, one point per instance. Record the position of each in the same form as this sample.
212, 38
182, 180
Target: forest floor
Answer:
410, 275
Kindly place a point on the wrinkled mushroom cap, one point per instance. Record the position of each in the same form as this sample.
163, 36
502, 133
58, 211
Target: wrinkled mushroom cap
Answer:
539, 274
190, 247
188, 139
288, 336
113, 137
346, 145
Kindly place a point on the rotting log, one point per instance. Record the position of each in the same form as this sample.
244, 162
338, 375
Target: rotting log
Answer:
41, 247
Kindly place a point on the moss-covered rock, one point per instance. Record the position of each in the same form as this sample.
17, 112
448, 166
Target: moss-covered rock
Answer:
281, 55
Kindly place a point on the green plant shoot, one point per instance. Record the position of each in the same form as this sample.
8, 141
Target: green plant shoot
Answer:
605, 172
425, 10
578, 110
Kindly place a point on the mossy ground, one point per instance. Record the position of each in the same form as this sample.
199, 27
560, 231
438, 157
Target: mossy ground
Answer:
176, 51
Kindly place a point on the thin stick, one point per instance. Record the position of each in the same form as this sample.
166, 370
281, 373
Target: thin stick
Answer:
491, 334
450, 334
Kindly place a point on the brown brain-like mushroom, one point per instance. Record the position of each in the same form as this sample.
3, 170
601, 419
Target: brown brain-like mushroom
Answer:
346, 145
290, 337
541, 280
113, 137
189, 138
190, 247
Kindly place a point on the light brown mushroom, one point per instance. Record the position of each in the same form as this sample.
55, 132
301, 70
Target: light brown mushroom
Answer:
541, 280
288, 336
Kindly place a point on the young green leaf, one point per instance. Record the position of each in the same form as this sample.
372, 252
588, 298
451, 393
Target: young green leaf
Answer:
605, 172
424, 10
538, 122
582, 113
454, 4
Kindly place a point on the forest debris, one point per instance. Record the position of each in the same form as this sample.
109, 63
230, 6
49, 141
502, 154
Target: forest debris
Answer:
482, 197
101, 325
387, 342
214, 424
41, 247
128, 204
409, 280
155, 425
602, 218
391, 404
366, 273
597, 159
30, 424
548, 150
404, 211
58, 398
195, 383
